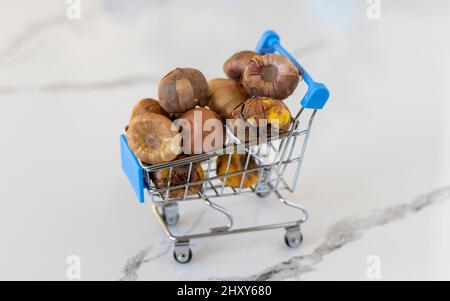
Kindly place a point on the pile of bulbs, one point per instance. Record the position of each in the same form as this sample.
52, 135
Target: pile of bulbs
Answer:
191, 109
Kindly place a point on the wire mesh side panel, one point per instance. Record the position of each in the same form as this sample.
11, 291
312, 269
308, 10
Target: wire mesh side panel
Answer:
242, 168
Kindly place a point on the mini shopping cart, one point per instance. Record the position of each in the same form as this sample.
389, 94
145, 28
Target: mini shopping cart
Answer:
278, 165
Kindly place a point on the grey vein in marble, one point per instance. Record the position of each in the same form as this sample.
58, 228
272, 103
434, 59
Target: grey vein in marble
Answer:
345, 232
120, 82
134, 263
32, 30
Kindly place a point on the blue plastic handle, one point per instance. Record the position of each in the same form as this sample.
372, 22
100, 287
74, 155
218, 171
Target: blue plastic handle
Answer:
132, 169
317, 95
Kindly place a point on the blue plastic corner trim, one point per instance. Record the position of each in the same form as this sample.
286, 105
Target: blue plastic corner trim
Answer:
317, 95
267, 42
132, 169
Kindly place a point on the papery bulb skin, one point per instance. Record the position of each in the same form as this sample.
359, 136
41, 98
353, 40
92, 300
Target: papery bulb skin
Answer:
148, 105
225, 95
271, 75
234, 67
153, 138
183, 89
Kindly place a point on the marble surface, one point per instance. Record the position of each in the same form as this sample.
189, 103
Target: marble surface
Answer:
376, 177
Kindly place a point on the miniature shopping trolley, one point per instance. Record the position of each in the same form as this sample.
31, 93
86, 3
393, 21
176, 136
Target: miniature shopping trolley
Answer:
278, 165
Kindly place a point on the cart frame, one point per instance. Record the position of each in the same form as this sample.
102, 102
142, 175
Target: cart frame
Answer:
274, 156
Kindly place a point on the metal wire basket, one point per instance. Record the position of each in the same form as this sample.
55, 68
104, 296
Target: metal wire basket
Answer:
278, 162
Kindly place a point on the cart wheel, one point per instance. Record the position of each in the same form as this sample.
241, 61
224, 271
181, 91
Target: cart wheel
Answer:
171, 220
263, 194
182, 255
293, 238
263, 188
170, 214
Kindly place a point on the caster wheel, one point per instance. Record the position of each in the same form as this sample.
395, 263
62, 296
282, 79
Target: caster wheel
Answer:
264, 187
170, 215
264, 190
293, 238
182, 256
171, 220
263, 194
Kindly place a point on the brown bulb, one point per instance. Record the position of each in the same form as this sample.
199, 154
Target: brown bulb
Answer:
202, 130
260, 111
182, 89
164, 178
174, 116
234, 67
225, 95
237, 164
270, 75
148, 105
153, 138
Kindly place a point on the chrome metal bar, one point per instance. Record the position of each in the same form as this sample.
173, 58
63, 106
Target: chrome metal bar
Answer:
207, 174
226, 230
299, 113
245, 171
212, 186
168, 182
259, 179
226, 173
283, 169
236, 173
283, 153
294, 205
249, 191
223, 211
187, 181
302, 152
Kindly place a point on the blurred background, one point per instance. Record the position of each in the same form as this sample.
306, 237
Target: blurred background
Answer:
70, 72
